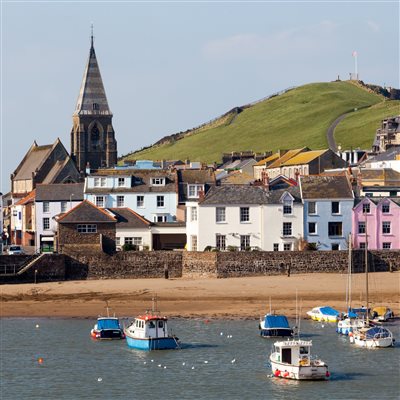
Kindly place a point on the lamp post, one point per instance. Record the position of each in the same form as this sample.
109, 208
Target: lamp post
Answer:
15, 213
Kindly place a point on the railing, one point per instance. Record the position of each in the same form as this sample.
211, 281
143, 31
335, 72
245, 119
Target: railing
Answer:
9, 269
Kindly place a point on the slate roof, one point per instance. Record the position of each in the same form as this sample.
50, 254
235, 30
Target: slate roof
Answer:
86, 212
59, 192
92, 89
376, 200
237, 178
325, 187
388, 155
141, 181
32, 161
204, 177
245, 194
388, 176
127, 218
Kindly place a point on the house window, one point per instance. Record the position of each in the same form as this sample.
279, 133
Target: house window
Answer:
361, 227
287, 229
385, 208
312, 228
244, 214
335, 246
46, 206
287, 246
140, 201
386, 227
386, 245
160, 201
100, 201
63, 206
194, 191
244, 242
117, 240
362, 245
220, 214
366, 208
86, 228
160, 218
96, 182
220, 242
157, 181
193, 213
120, 201
334, 228
194, 242
121, 182
312, 208
46, 224
287, 207
276, 246
335, 207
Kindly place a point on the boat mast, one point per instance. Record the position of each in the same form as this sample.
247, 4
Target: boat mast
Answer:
366, 267
348, 292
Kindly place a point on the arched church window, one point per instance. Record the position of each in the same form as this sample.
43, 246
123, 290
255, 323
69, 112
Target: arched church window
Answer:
95, 137
96, 107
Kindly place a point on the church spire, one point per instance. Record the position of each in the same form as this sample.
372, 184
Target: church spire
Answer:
92, 97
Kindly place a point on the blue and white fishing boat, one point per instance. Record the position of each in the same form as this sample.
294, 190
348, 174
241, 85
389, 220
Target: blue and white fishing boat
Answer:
150, 332
107, 328
274, 326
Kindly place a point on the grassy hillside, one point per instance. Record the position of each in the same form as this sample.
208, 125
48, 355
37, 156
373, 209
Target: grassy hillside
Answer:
358, 129
297, 118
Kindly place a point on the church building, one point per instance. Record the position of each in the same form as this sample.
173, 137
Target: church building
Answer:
93, 141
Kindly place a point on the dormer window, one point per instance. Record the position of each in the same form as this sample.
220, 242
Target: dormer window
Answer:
386, 208
157, 181
121, 182
287, 206
366, 208
194, 191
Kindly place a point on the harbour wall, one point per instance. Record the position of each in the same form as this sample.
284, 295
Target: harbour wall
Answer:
155, 264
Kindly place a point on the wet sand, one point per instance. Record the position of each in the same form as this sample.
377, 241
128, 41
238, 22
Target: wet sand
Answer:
232, 298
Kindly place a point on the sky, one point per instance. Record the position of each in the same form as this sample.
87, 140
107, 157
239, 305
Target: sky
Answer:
171, 66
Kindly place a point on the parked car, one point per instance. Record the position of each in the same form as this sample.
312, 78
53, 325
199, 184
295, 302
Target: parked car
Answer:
15, 250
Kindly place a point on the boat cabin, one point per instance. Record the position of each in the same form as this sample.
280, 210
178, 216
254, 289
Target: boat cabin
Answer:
294, 352
150, 326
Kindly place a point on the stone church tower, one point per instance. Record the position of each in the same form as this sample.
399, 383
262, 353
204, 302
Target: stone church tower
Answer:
92, 136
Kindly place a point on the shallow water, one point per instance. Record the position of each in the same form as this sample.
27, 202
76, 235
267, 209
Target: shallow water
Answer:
75, 367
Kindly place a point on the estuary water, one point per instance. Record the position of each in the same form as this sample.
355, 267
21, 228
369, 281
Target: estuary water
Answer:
218, 360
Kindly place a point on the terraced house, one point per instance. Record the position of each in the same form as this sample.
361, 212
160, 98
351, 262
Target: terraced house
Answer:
328, 203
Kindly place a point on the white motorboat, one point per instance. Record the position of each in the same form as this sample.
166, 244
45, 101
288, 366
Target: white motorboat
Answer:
375, 336
291, 359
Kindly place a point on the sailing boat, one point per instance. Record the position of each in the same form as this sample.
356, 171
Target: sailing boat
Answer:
370, 336
352, 320
291, 359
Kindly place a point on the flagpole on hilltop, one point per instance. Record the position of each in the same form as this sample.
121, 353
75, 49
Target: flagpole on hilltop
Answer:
355, 64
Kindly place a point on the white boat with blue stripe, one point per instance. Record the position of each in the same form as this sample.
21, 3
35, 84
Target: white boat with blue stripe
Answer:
150, 332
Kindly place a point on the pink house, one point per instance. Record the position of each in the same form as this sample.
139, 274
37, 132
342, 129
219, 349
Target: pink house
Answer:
380, 218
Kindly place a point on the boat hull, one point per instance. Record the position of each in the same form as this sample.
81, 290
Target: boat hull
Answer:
276, 332
372, 343
323, 318
167, 343
308, 373
107, 334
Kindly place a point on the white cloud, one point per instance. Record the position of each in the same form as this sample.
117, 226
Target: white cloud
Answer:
268, 46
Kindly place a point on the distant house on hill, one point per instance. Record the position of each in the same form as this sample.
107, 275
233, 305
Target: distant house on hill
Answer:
302, 162
388, 135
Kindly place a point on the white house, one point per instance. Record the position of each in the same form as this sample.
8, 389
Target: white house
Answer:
245, 217
52, 200
152, 194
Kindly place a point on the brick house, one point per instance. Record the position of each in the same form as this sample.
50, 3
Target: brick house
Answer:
86, 227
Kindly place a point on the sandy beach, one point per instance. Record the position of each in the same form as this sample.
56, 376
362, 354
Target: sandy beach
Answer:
200, 297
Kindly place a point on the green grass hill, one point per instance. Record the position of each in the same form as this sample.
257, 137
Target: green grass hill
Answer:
299, 117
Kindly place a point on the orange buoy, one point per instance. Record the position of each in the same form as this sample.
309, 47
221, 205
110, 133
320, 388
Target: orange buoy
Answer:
286, 374
277, 372
40, 360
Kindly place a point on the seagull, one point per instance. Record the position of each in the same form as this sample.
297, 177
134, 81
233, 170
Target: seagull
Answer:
233, 361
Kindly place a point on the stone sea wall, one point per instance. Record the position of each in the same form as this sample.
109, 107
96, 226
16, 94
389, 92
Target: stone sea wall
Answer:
86, 264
